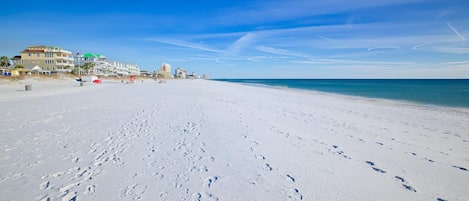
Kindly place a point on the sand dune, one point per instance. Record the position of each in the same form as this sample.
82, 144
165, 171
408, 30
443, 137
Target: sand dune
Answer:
207, 140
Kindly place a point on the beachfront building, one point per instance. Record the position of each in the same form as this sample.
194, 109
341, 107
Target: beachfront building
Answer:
145, 73
48, 58
15, 60
194, 76
180, 73
102, 66
164, 72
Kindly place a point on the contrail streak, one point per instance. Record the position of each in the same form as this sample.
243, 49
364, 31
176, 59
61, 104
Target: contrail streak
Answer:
385, 47
420, 45
456, 31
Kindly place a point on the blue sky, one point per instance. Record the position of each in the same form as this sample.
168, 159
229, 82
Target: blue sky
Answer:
255, 38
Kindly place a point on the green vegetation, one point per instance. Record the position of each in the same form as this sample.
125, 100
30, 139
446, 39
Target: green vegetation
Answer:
87, 66
4, 61
75, 70
84, 68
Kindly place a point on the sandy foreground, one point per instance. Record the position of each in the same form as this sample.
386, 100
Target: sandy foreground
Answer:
208, 140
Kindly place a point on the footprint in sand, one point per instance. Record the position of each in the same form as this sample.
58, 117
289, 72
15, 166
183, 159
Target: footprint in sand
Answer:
89, 190
204, 196
372, 164
45, 185
461, 168
211, 180
295, 194
268, 167
46, 198
405, 184
291, 178
69, 196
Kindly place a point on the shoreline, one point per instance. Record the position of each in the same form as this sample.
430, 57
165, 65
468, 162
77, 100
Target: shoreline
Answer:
15, 87
57, 83
397, 102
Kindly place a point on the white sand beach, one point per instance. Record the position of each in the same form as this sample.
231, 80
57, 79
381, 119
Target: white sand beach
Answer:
208, 140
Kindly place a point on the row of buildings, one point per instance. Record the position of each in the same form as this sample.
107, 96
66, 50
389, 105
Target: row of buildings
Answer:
102, 66
179, 73
48, 59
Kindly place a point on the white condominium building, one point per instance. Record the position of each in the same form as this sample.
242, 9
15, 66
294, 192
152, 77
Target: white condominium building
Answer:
104, 67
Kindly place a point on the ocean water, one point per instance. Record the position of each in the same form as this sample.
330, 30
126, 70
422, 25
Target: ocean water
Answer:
444, 92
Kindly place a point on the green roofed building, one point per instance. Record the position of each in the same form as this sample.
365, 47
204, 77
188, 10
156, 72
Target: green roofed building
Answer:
92, 56
105, 67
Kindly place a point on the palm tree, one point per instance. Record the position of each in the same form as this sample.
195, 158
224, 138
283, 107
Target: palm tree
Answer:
75, 70
87, 66
4, 61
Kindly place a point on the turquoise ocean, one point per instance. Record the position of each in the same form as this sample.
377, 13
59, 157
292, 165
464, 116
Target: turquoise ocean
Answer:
443, 92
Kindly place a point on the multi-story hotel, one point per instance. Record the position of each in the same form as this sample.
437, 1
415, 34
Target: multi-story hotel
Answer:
47, 58
103, 66
180, 73
164, 72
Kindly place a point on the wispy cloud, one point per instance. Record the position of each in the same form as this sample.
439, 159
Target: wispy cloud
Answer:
327, 38
452, 50
420, 45
279, 10
456, 63
186, 44
265, 58
241, 43
382, 48
456, 32
281, 51
355, 62
214, 59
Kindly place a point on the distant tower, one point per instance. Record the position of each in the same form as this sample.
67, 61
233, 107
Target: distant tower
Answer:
164, 72
165, 68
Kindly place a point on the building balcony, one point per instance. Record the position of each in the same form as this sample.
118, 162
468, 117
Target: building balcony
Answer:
65, 58
58, 50
65, 64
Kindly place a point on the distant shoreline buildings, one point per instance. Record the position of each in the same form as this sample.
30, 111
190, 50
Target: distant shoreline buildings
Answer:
50, 59
181, 73
47, 60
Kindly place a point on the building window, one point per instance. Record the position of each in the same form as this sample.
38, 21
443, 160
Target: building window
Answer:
37, 54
